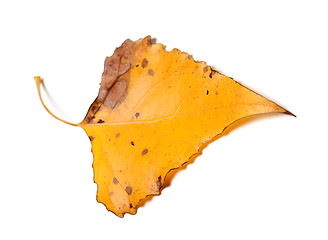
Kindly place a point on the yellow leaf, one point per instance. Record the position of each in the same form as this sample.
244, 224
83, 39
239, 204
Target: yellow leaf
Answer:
154, 111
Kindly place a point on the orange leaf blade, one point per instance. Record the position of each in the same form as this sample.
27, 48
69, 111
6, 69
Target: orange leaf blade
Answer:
155, 109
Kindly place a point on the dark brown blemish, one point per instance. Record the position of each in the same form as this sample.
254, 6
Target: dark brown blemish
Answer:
89, 118
207, 92
159, 181
137, 65
205, 69
137, 115
132, 143
144, 63
131, 206
117, 135
115, 181
94, 109
91, 138
151, 72
144, 152
211, 74
100, 121
128, 190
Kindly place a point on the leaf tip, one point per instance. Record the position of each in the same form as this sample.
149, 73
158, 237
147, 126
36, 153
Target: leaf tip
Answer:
289, 113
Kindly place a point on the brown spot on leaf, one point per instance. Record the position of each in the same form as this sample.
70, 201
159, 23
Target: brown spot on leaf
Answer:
131, 206
132, 143
115, 94
94, 108
207, 92
111, 193
100, 121
216, 92
89, 118
128, 190
159, 181
144, 63
115, 66
205, 69
144, 152
91, 138
137, 115
151, 72
152, 41
211, 74
115, 181
117, 135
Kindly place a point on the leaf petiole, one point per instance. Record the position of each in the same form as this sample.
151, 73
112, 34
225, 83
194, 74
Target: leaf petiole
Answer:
38, 82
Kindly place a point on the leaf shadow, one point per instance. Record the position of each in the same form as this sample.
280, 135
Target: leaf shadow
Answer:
52, 100
173, 172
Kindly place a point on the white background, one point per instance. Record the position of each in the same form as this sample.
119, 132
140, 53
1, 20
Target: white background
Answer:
267, 179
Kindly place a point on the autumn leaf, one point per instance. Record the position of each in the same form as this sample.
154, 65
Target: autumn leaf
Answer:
154, 110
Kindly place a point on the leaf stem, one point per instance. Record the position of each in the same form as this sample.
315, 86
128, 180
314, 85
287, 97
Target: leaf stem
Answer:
38, 82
